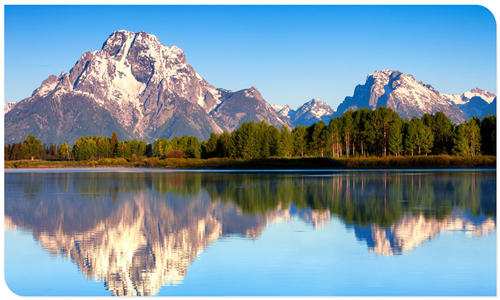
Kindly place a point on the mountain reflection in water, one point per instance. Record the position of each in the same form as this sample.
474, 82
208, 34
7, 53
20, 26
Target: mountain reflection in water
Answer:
140, 231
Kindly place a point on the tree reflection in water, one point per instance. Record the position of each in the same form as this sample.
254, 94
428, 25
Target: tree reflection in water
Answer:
140, 231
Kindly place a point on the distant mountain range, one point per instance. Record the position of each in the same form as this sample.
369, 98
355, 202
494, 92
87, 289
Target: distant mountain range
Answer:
142, 89
308, 113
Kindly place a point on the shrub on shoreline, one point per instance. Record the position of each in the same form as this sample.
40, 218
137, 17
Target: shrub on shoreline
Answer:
272, 163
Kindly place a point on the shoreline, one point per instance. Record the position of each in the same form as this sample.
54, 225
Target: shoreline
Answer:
299, 164
178, 170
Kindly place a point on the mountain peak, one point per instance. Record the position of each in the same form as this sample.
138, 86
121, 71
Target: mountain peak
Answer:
277, 107
403, 94
316, 101
310, 112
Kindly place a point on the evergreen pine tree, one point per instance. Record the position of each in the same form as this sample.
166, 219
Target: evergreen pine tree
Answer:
114, 145
396, 137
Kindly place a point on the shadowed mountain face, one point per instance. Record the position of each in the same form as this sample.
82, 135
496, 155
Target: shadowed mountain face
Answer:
137, 87
476, 106
137, 232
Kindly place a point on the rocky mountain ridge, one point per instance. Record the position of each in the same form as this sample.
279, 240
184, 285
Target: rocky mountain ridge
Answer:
7, 106
138, 87
403, 94
308, 113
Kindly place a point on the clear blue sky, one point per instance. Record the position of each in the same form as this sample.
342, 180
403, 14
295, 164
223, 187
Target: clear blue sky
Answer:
290, 53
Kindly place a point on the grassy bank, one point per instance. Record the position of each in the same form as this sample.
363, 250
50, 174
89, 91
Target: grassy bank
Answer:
271, 163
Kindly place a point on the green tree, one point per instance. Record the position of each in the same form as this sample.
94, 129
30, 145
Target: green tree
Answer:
115, 149
285, 143
316, 138
488, 134
16, 153
461, 147
473, 135
31, 146
442, 131
263, 139
243, 142
193, 147
157, 149
299, 136
411, 136
383, 118
396, 137
85, 149
333, 137
223, 144
425, 139
347, 130
141, 149
210, 149
274, 135
64, 151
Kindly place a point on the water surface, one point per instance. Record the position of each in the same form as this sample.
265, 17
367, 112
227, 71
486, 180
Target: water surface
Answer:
383, 232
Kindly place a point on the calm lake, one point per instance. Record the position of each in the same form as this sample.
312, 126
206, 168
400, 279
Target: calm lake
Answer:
332, 233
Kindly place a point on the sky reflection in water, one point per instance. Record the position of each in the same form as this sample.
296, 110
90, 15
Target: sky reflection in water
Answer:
190, 233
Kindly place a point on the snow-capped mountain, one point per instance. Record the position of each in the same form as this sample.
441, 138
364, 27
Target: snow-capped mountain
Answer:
7, 106
476, 102
286, 111
308, 113
277, 107
311, 112
467, 96
403, 94
135, 86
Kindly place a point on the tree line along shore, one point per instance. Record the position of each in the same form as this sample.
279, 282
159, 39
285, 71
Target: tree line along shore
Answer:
361, 138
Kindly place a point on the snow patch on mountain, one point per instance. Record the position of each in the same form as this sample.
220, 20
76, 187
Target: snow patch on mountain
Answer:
474, 102
464, 98
8, 106
311, 112
403, 94
277, 107
286, 111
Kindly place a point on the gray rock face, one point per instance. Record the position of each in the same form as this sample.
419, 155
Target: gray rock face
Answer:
243, 106
138, 87
403, 94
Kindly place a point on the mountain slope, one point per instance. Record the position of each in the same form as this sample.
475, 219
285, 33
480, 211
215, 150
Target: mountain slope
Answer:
492, 107
403, 94
476, 102
474, 107
311, 112
7, 106
243, 106
134, 85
